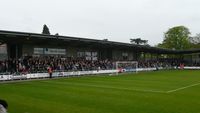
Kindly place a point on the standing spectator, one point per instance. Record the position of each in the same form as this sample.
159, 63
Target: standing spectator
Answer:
50, 71
3, 106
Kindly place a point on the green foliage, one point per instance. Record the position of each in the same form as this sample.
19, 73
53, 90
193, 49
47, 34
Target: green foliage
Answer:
195, 41
127, 93
177, 38
195, 46
160, 45
105, 39
45, 30
138, 41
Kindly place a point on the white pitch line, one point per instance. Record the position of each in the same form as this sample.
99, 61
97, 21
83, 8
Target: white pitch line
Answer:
182, 88
108, 87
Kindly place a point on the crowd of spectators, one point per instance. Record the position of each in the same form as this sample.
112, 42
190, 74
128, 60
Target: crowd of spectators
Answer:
167, 63
41, 64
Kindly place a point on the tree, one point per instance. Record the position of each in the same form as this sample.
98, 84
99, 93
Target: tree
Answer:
105, 39
195, 39
160, 45
45, 30
138, 41
176, 38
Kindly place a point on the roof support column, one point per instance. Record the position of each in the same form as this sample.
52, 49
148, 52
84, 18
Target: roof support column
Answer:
16, 52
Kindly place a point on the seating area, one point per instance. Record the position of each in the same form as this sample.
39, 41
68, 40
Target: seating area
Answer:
40, 64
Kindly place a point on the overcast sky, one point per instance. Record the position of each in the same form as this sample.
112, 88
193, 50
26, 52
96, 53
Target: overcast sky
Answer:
115, 20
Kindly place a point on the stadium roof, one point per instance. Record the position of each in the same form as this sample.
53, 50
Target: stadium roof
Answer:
6, 36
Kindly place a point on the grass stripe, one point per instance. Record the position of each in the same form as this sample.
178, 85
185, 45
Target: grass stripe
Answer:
109, 87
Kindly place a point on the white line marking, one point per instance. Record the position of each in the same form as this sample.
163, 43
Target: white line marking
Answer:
182, 88
108, 87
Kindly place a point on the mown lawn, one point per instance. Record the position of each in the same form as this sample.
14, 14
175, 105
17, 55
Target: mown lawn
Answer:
172, 91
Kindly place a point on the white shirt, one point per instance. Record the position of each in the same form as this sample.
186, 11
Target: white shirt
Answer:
2, 109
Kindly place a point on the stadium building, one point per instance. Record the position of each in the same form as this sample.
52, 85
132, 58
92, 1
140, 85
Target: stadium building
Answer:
20, 44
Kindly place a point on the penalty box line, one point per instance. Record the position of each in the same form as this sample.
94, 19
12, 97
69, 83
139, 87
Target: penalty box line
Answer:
182, 88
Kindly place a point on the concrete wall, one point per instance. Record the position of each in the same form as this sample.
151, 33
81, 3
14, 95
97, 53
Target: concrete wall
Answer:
28, 50
192, 57
118, 55
196, 58
71, 51
3, 52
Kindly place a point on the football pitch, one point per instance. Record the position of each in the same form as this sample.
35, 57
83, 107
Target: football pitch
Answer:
170, 91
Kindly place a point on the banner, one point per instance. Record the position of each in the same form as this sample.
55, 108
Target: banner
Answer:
74, 73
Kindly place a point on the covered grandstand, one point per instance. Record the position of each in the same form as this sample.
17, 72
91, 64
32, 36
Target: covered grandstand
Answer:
28, 54
21, 44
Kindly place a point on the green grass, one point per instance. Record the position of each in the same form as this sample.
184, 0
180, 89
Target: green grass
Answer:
146, 92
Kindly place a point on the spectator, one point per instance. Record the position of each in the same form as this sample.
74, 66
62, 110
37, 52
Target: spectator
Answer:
3, 106
40, 64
